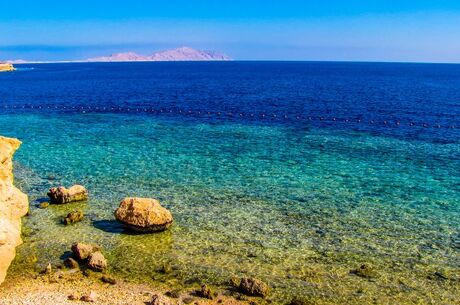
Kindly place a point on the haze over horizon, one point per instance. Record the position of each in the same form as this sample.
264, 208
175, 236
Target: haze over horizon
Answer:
410, 31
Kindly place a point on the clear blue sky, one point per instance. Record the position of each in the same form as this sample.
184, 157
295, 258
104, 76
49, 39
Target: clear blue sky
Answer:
404, 30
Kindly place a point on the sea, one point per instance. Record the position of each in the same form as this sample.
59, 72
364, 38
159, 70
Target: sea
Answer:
334, 182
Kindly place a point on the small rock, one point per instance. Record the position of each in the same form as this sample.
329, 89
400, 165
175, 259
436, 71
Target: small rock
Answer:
108, 279
253, 287
73, 217
365, 271
205, 292
73, 297
44, 205
48, 269
235, 282
97, 261
188, 300
159, 299
143, 215
89, 273
82, 251
438, 275
61, 195
166, 268
89, 297
298, 301
71, 263
173, 293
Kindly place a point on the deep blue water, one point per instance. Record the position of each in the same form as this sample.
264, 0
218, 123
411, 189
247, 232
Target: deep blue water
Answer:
367, 94
293, 172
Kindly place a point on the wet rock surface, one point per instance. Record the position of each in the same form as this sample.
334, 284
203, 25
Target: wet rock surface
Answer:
73, 217
62, 195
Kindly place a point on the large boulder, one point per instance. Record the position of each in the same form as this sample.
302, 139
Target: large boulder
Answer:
61, 195
13, 205
143, 215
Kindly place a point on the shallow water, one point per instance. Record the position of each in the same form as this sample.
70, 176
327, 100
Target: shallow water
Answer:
297, 203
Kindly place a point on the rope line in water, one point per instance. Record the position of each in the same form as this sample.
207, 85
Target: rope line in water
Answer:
387, 123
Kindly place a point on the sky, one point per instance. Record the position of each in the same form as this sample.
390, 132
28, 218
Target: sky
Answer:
337, 30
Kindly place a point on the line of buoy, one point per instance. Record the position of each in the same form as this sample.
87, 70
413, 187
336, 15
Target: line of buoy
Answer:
86, 109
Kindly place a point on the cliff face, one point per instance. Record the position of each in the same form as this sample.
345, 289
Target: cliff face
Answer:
13, 205
6, 67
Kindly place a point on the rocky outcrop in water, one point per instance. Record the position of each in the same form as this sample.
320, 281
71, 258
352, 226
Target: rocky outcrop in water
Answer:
6, 67
143, 215
61, 195
253, 287
73, 217
13, 205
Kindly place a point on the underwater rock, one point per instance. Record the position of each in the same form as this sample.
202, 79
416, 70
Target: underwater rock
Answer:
159, 299
82, 251
97, 261
253, 287
298, 301
188, 300
44, 205
109, 280
173, 293
48, 269
61, 195
143, 215
205, 292
13, 205
73, 217
91, 297
71, 263
166, 268
365, 271
72, 297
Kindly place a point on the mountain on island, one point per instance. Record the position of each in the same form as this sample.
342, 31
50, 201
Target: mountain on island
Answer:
180, 54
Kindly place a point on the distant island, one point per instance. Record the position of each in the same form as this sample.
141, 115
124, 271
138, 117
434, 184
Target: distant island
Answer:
179, 54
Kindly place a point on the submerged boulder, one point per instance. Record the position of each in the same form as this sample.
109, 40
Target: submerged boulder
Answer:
253, 287
73, 217
82, 251
61, 195
143, 215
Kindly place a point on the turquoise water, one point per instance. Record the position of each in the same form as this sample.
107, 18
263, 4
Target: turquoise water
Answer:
294, 173
297, 208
